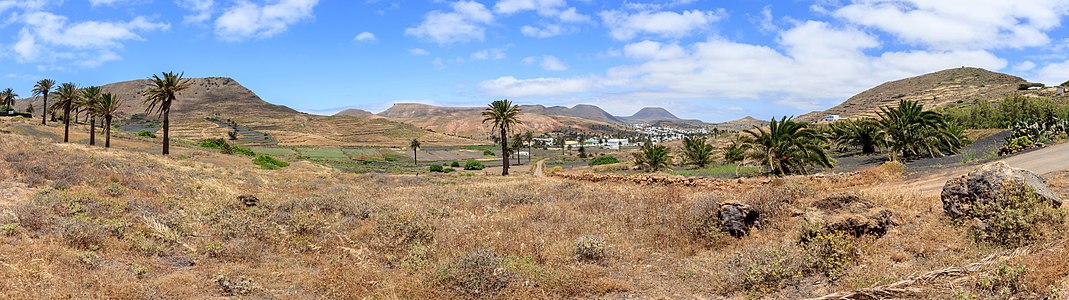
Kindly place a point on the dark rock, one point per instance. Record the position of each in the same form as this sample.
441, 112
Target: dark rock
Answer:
986, 184
876, 224
736, 219
248, 200
849, 202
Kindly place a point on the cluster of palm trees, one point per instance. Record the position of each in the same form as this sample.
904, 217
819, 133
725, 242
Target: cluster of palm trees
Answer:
502, 114
905, 131
96, 104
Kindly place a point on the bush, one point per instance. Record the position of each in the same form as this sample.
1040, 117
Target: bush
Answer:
269, 163
1006, 280
1016, 145
603, 160
488, 153
473, 165
765, 268
1018, 217
828, 252
1025, 86
146, 133
703, 220
225, 147
478, 274
590, 248
436, 168
455, 164
398, 230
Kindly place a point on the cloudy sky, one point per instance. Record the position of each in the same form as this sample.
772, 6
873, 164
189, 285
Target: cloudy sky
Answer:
714, 60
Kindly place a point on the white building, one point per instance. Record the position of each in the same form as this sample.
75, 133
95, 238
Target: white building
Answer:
831, 118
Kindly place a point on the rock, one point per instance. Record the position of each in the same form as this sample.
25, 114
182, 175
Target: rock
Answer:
985, 185
876, 224
736, 219
248, 200
849, 202
851, 214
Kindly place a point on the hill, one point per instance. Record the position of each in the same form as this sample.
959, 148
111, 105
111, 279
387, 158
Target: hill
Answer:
745, 123
212, 106
468, 121
933, 90
652, 114
359, 113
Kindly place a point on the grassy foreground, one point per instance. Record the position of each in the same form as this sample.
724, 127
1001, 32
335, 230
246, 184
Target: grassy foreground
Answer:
81, 222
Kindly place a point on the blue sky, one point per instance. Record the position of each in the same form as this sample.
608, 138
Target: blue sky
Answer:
712, 60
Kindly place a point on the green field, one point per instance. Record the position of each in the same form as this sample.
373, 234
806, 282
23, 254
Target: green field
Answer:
719, 171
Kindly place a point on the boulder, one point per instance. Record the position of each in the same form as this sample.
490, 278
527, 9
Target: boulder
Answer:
985, 185
248, 200
736, 218
851, 214
876, 224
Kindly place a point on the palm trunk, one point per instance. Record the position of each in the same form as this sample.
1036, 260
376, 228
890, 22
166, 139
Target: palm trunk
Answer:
504, 152
107, 132
44, 111
66, 122
92, 131
415, 158
166, 133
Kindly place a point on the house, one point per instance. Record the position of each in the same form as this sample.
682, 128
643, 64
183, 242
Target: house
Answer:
831, 118
615, 144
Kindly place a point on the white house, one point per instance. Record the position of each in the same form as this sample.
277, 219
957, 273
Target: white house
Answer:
615, 144
831, 118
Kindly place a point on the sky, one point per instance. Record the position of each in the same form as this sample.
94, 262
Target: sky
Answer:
714, 60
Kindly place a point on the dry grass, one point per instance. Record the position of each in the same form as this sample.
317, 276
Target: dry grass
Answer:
125, 224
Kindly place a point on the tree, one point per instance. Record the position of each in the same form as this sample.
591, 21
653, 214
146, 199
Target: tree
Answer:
517, 146
160, 94
912, 131
736, 153
7, 98
67, 94
107, 108
788, 147
697, 152
529, 138
503, 114
652, 157
29, 108
415, 146
89, 103
42, 89
864, 133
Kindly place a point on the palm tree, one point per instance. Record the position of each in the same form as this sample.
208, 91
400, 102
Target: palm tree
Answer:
89, 102
697, 152
788, 147
736, 153
864, 133
42, 89
7, 98
653, 158
504, 115
67, 94
107, 107
415, 146
913, 131
529, 137
159, 95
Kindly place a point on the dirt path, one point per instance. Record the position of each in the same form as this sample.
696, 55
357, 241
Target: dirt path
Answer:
538, 168
1042, 161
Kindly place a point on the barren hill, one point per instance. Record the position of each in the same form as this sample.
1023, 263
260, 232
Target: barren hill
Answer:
746, 123
359, 113
468, 121
648, 114
932, 90
209, 104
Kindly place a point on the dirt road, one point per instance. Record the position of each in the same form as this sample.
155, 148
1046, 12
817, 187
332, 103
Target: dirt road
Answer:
538, 168
1042, 161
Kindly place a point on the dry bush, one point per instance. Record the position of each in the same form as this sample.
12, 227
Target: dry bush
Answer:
703, 220
478, 274
1016, 218
590, 248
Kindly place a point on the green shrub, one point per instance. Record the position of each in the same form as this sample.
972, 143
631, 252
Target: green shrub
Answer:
146, 133
437, 168
1017, 218
1005, 280
478, 274
449, 170
455, 164
488, 153
269, 163
828, 252
603, 160
1025, 86
590, 248
473, 165
765, 268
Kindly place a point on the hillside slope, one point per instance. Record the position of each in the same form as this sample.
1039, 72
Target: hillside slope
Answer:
932, 90
224, 100
468, 121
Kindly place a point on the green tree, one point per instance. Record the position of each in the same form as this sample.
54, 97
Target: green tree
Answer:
865, 133
504, 115
7, 98
89, 103
696, 152
736, 153
42, 89
912, 131
68, 95
160, 95
788, 147
107, 108
414, 144
652, 158
528, 137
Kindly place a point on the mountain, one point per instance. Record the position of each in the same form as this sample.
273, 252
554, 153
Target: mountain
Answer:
210, 105
359, 113
933, 90
650, 115
745, 123
468, 121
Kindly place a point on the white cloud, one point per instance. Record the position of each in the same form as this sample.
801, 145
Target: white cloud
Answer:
543, 7
365, 37
960, 24
625, 26
29, 5
819, 62
51, 39
549, 30
201, 10
1053, 74
570, 15
552, 63
418, 52
489, 54
249, 20
462, 25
